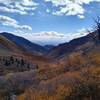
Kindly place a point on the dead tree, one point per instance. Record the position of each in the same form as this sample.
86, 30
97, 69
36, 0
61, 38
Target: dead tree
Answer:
97, 21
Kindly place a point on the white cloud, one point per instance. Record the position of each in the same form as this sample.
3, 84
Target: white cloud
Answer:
31, 14
81, 16
70, 7
83, 30
7, 21
22, 2
47, 10
23, 8
18, 6
24, 27
10, 10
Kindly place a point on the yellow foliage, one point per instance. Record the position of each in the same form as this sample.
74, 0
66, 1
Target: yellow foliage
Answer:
95, 71
95, 57
64, 90
77, 60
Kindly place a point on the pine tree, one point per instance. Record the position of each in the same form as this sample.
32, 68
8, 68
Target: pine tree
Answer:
12, 60
22, 62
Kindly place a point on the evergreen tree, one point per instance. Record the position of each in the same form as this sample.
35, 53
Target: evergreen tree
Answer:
7, 63
22, 62
12, 60
28, 66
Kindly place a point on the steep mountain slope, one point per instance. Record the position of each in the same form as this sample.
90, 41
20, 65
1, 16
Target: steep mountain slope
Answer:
24, 43
11, 45
69, 47
8, 47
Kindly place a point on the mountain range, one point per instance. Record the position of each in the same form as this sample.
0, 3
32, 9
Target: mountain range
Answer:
13, 43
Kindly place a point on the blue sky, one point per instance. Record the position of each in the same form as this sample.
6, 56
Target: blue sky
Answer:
49, 16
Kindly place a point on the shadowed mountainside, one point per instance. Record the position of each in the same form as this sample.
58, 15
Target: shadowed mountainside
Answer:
8, 47
25, 44
11, 45
67, 48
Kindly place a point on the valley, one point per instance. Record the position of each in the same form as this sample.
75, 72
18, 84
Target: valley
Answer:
69, 71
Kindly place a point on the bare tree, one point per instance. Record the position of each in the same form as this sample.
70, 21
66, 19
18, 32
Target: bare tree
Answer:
97, 21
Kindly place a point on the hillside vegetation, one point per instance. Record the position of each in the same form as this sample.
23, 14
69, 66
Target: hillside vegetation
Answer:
73, 77
78, 79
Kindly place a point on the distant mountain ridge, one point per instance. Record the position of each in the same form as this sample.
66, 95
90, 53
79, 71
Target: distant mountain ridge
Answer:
21, 44
67, 48
25, 44
49, 47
